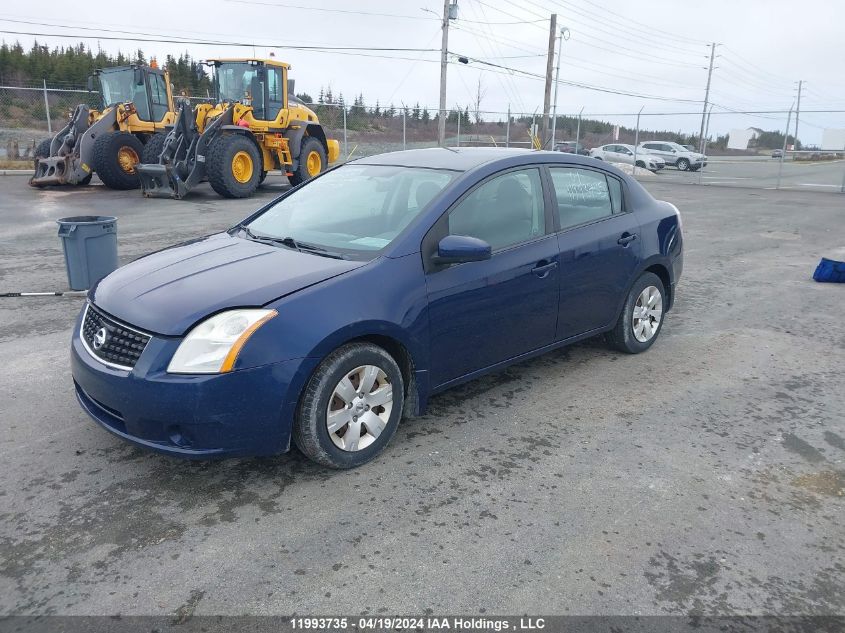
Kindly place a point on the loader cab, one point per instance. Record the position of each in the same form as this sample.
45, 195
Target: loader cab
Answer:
147, 88
255, 83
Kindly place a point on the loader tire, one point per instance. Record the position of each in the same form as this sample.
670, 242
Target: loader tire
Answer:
115, 157
43, 149
153, 148
312, 161
234, 166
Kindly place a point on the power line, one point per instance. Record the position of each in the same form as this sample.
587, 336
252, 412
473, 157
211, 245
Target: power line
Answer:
226, 43
618, 32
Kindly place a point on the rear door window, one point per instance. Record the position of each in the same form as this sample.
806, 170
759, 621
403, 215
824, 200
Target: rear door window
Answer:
582, 196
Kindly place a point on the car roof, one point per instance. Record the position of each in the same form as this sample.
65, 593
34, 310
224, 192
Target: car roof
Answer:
454, 158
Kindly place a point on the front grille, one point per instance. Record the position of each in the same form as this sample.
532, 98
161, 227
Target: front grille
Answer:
110, 341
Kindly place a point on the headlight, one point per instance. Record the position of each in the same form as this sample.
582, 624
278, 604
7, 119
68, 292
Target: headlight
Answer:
213, 346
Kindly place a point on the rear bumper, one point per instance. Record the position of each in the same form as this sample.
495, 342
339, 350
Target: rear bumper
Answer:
245, 412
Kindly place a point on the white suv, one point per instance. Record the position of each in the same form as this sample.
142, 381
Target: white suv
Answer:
619, 153
675, 154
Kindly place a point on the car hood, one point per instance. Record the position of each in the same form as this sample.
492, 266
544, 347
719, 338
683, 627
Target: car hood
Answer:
170, 290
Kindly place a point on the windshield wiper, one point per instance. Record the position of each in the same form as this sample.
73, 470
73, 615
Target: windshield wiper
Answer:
319, 250
291, 243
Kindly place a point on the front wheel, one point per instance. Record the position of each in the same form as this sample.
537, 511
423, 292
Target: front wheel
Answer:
312, 161
115, 157
642, 316
234, 166
351, 407
683, 164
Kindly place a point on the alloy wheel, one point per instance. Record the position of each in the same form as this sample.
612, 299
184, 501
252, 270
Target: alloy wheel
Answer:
648, 311
359, 408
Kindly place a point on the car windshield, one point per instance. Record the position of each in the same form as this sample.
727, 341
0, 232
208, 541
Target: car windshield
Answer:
355, 209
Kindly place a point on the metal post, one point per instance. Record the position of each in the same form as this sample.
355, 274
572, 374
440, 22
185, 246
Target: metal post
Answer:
578, 130
444, 46
637, 141
47, 109
798, 112
460, 114
706, 96
704, 146
404, 112
345, 144
557, 79
842, 188
783, 151
508, 128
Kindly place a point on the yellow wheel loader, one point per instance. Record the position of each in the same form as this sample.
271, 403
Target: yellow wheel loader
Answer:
257, 125
137, 104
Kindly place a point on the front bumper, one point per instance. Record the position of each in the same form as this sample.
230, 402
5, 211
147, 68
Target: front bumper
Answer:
244, 412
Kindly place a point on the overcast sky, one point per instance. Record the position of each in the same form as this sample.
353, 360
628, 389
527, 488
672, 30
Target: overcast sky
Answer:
653, 48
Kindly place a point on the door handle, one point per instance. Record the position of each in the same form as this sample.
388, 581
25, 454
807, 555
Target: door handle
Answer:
543, 268
626, 239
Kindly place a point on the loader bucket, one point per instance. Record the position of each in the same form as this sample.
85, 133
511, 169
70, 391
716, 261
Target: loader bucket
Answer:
58, 170
159, 181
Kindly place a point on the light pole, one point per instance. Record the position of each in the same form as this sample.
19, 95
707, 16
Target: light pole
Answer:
564, 35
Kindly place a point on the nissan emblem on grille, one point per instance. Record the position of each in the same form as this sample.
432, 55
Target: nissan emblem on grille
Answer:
110, 341
100, 338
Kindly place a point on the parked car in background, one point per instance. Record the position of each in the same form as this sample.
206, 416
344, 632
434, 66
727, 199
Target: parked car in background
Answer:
777, 153
333, 311
620, 153
571, 147
675, 155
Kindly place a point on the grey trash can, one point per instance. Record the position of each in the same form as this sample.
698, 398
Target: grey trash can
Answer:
90, 246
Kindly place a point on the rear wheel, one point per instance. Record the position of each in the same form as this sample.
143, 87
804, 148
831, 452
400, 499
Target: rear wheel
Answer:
351, 407
642, 316
234, 166
312, 161
153, 148
683, 164
115, 157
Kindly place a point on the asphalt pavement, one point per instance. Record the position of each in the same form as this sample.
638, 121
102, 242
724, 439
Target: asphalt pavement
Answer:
705, 475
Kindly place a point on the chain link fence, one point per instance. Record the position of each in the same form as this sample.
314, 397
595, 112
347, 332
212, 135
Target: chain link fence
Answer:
746, 149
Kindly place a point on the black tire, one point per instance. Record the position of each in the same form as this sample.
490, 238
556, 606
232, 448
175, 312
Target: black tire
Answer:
682, 164
640, 164
219, 166
309, 145
43, 149
153, 148
622, 336
310, 430
109, 150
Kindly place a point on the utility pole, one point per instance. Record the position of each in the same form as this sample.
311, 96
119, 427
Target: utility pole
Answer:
547, 93
798, 111
564, 34
444, 47
706, 97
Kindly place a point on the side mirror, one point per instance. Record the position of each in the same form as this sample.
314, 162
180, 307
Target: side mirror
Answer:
458, 249
90, 83
139, 77
674, 151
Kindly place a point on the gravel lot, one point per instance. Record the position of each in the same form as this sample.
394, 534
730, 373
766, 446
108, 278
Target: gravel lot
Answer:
706, 475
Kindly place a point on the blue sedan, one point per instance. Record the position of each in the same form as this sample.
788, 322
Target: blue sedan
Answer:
344, 304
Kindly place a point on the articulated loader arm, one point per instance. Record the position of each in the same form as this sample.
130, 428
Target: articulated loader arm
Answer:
72, 149
181, 164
